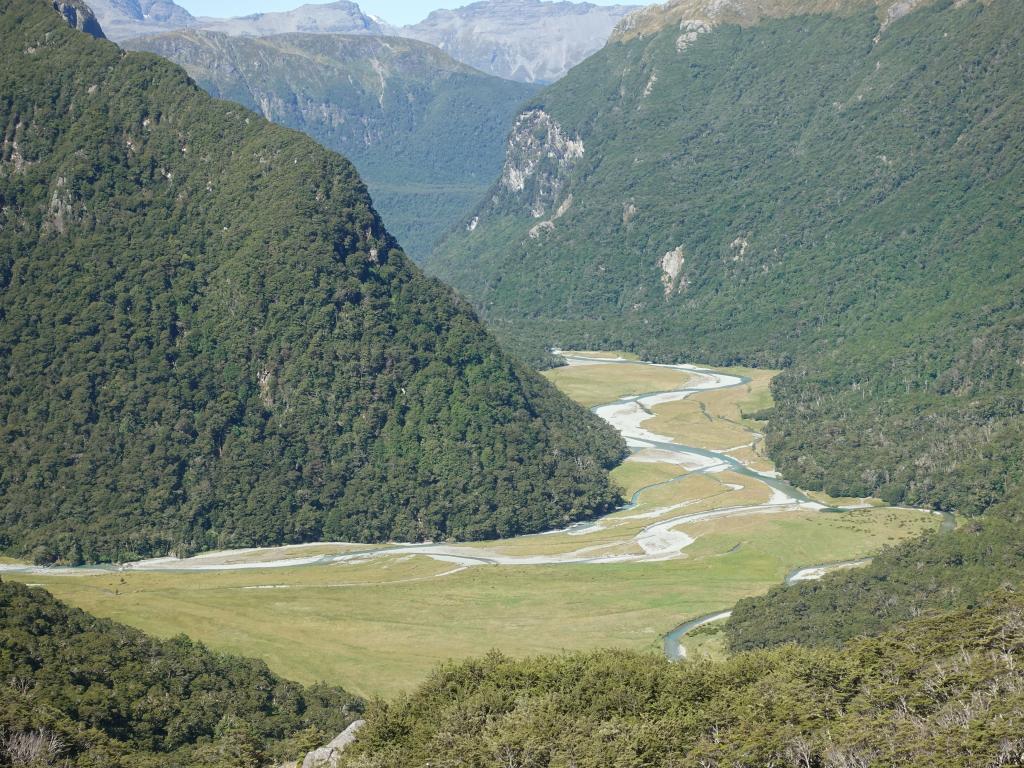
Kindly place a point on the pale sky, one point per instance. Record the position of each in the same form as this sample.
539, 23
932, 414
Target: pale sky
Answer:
396, 12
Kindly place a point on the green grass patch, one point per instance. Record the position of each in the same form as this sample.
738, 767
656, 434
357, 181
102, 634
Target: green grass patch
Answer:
602, 383
631, 476
378, 628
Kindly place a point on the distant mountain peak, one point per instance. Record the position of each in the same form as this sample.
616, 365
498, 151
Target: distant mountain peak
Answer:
122, 19
339, 17
533, 41
528, 40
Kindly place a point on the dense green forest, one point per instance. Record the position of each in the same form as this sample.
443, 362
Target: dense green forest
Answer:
815, 193
942, 691
426, 133
208, 339
83, 691
941, 571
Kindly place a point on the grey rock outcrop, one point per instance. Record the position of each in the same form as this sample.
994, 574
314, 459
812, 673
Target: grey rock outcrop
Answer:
328, 755
538, 161
79, 16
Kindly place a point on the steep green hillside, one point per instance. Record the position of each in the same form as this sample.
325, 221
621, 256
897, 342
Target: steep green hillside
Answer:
815, 192
941, 571
208, 339
426, 133
83, 691
942, 691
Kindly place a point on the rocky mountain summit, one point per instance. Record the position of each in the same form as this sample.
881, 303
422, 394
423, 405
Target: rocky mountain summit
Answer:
525, 40
78, 16
122, 19
340, 17
529, 40
125, 19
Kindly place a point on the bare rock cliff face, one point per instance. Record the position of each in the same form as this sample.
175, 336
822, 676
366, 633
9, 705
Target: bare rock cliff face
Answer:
538, 162
79, 16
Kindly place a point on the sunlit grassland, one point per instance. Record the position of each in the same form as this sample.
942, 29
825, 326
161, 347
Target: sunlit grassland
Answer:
843, 501
716, 420
687, 495
379, 626
708, 640
600, 383
753, 458
631, 476
703, 492
604, 355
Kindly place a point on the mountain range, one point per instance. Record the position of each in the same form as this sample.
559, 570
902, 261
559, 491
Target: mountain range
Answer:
121, 19
338, 17
124, 19
528, 40
426, 133
524, 40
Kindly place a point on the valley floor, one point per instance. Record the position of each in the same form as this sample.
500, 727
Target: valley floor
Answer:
709, 523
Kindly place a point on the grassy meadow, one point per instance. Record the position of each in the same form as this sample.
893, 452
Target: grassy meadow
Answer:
378, 626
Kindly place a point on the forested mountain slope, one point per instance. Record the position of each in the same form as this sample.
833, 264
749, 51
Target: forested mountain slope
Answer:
426, 133
83, 691
338, 17
208, 339
942, 691
839, 192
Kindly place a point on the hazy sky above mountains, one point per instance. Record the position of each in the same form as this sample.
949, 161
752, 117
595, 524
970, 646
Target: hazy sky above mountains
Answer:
394, 11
